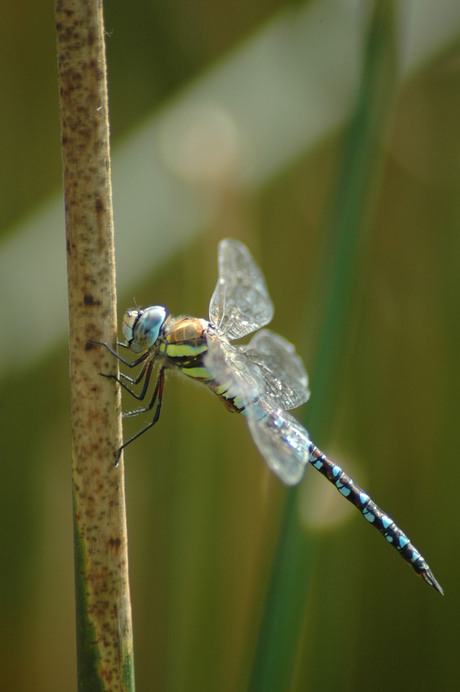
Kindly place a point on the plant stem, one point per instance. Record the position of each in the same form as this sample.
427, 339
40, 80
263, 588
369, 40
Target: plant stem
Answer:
103, 610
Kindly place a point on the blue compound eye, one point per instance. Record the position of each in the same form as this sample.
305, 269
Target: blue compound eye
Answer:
142, 327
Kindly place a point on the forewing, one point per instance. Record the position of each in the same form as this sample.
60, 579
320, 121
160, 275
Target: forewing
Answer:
240, 303
285, 380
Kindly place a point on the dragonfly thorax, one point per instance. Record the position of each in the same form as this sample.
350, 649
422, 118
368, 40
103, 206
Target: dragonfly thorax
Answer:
141, 328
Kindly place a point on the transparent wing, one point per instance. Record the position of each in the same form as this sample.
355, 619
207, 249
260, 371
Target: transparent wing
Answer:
235, 377
240, 303
282, 370
282, 441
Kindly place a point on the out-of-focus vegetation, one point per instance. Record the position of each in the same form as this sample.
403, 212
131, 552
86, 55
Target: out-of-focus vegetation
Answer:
204, 513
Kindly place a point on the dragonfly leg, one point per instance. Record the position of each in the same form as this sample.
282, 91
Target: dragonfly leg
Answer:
157, 398
151, 404
130, 364
144, 374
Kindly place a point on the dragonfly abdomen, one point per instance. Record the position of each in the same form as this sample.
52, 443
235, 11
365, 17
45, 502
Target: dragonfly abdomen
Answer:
230, 397
373, 514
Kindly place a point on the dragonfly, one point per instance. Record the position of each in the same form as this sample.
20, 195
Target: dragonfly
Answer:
263, 380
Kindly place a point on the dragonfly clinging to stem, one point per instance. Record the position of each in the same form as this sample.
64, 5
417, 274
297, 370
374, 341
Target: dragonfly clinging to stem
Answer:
262, 380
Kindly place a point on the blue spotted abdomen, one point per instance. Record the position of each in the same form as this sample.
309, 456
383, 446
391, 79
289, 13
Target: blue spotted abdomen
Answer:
374, 515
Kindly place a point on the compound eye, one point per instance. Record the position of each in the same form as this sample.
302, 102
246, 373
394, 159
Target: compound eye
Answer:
145, 326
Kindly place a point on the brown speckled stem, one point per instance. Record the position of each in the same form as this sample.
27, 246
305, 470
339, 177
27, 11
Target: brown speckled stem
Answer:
104, 629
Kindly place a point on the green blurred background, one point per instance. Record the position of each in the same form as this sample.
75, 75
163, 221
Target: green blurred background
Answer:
203, 511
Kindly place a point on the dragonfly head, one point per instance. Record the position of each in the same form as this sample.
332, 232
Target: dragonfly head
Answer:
142, 327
